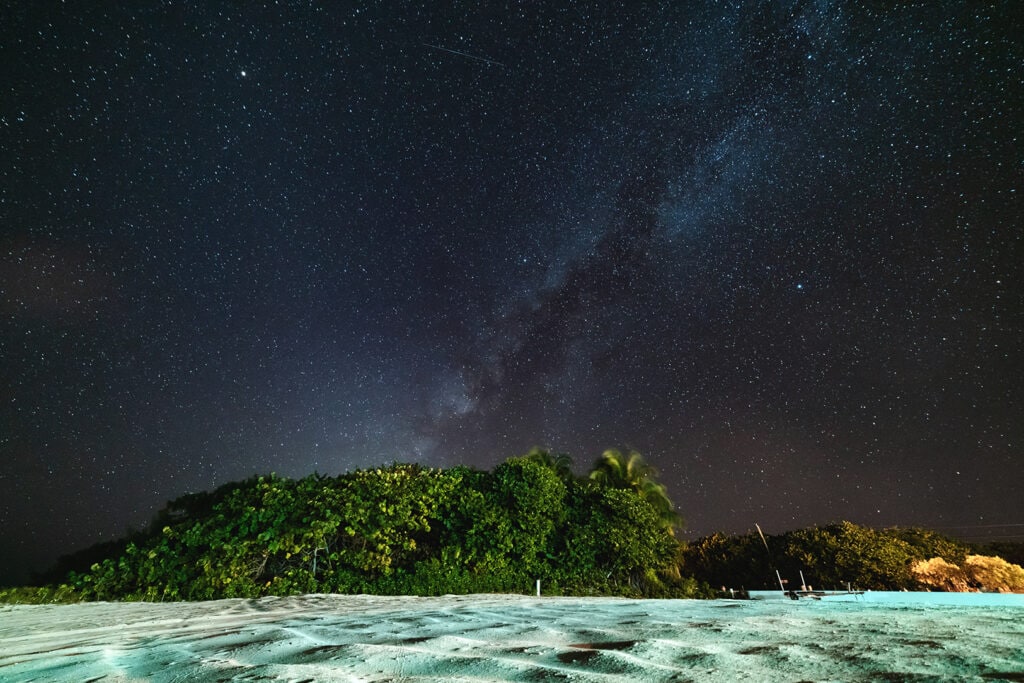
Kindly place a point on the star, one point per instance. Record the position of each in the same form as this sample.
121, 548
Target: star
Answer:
448, 237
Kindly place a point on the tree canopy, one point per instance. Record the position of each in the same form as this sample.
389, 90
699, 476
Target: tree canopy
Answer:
401, 529
408, 529
632, 472
831, 557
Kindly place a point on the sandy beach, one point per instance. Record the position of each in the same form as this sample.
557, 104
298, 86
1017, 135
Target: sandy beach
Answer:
507, 638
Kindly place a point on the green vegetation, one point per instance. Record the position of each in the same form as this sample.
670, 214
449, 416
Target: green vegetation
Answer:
830, 557
411, 530
402, 529
631, 472
39, 595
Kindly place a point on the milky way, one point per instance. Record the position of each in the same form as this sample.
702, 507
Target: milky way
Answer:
774, 247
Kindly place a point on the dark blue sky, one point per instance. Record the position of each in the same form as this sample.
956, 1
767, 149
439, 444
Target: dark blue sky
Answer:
775, 247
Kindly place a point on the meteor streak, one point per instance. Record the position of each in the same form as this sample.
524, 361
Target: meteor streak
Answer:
464, 54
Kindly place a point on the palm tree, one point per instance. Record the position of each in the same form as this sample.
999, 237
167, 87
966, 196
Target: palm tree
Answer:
632, 472
559, 463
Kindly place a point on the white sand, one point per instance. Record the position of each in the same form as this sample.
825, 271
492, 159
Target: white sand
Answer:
499, 637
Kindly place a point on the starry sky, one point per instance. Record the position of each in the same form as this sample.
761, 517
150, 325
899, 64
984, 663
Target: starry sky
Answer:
775, 247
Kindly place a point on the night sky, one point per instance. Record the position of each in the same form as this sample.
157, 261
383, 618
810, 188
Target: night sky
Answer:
775, 247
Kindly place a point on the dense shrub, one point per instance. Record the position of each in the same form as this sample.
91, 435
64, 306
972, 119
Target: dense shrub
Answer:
832, 556
402, 529
994, 574
938, 574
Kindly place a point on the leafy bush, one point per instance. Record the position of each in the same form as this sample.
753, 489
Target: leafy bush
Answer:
38, 595
829, 557
402, 529
994, 574
740, 561
845, 553
939, 574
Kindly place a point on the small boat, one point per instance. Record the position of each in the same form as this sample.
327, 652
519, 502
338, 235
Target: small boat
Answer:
808, 593
843, 596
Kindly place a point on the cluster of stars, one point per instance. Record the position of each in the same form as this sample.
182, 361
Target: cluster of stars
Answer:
776, 251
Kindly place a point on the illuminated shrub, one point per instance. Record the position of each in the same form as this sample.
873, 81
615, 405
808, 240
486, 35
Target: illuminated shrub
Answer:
994, 574
941, 575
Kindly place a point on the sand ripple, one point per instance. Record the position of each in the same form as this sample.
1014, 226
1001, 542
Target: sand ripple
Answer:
507, 638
